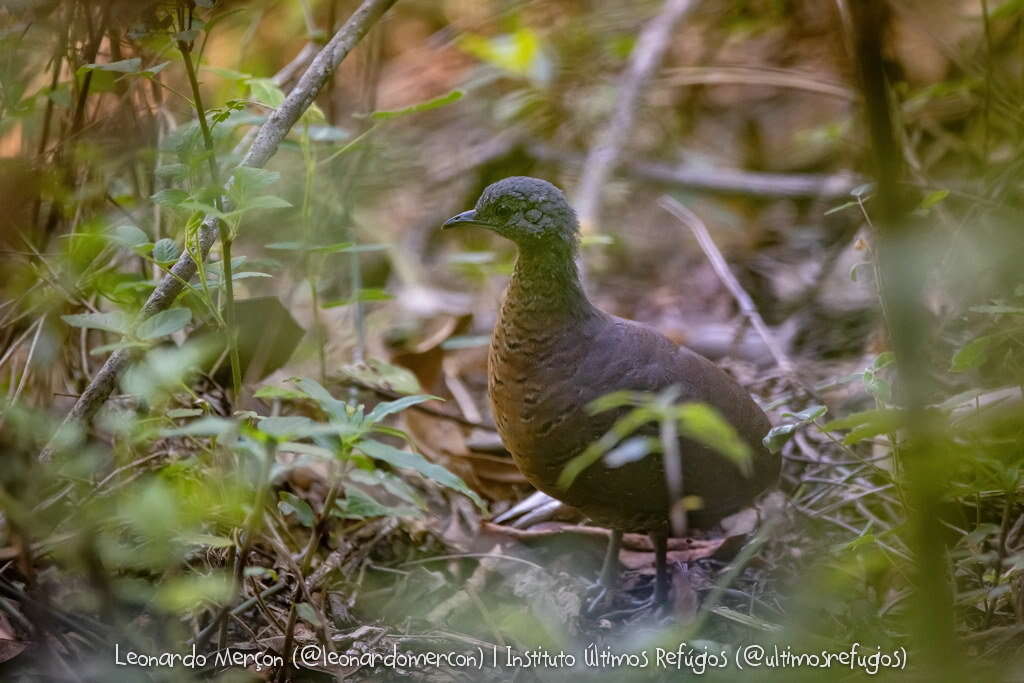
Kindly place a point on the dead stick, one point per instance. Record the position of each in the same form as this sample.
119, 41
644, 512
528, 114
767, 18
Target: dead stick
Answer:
650, 49
743, 300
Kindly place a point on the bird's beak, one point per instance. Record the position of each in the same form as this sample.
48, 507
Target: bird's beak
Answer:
464, 218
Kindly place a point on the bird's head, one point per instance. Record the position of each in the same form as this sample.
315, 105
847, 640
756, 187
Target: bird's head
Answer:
529, 211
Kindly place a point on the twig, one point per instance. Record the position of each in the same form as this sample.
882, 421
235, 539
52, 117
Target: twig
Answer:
318, 532
24, 373
726, 181
743, 300
242, 607
650, 49
762, 76
270, 135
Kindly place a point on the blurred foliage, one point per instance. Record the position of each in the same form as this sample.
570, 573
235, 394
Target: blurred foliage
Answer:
133, 532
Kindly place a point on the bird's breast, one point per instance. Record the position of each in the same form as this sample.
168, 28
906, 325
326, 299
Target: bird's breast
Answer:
535, 390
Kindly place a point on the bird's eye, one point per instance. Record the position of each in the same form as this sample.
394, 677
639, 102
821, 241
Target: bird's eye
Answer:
503, 211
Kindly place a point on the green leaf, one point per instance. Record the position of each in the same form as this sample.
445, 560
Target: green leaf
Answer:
972, 354
862, 190
129, 236
363, 295
308, 614
105, 348
1007, 9
206, 540
359, 505
204, 426
780, 434
328, 134
178, 413
391, 483
414, 461
127, 66
170, 197
932, 199
866, 424
308, 448
111, 322
453, 96
292, 426
163, 323
377, 373
623, 426
336, 248
202, 207
518, 53
470, 341
631, 450
228, 74
165, 251
289, 503
151, 71
267, 201
271, 392
183, 593
616, 399
302, 246
330, 405
251, 179
701, 422
266, 92
884, 360
215, 279
808, 414
382, 410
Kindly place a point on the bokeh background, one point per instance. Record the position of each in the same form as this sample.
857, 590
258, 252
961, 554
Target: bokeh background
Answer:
886, 271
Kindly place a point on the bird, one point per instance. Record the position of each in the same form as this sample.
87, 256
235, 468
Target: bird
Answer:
553, 352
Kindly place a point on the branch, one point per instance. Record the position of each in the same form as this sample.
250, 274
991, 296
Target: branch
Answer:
722, 180
647, 56
743, 300
270, 135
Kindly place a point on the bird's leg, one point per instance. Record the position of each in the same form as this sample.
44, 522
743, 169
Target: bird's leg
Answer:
610, 568
602, 590
660, 540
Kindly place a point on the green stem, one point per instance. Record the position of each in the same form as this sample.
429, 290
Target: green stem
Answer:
225, 233
312, 262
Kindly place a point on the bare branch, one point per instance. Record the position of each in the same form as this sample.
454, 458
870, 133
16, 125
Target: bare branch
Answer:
743, 300
650, 50
728, 181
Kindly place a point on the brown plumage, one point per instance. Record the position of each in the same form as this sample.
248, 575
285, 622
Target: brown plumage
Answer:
553, 352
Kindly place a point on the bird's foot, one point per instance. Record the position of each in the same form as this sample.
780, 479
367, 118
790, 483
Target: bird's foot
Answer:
650, 608
609, 602
598, 598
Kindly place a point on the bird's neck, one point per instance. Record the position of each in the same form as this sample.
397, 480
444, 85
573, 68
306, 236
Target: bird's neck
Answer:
545, 288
